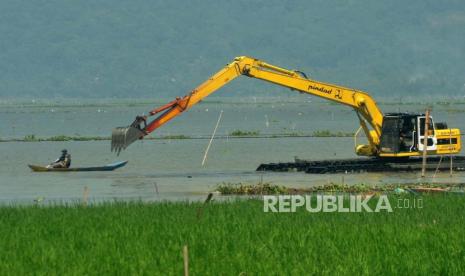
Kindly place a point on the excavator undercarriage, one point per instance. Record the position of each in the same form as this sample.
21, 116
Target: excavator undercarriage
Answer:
367, 164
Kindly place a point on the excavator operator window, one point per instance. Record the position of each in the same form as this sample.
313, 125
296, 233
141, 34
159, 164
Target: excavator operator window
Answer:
398, 133
407, 133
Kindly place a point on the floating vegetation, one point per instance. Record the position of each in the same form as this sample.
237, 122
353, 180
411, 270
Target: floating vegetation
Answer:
295, 134
180, 136
327, 133
58, 138
30, 138
65, 138
241, 133
233, 134
227, 188
75, 138
455, 110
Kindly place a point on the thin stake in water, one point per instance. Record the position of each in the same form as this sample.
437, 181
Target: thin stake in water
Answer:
450, 142
425, 143
437, 168
211, 139
156, 187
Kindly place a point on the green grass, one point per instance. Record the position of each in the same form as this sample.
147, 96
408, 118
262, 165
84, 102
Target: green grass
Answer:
231, 238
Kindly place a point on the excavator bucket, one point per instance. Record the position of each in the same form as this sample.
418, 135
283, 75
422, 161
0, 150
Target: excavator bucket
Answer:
122, 137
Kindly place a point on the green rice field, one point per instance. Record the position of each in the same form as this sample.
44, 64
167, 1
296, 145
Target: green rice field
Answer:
231, 238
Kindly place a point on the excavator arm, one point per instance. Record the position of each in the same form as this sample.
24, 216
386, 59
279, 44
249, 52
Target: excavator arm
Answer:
365, 107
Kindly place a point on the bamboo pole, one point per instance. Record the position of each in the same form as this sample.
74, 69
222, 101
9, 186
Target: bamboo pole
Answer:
211, 139
186, 260
437, 168
156, 187
425, 143
450, 156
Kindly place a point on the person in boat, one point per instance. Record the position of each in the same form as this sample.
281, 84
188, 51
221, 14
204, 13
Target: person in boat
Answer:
64, 161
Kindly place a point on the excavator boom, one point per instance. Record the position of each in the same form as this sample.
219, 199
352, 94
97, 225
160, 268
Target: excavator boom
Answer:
365, 106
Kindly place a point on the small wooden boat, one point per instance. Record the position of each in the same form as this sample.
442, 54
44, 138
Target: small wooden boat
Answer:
109, 167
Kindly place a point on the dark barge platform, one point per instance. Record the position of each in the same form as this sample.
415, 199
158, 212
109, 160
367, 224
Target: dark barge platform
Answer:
357, 165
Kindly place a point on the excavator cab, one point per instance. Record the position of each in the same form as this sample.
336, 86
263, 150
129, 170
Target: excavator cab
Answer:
403, 135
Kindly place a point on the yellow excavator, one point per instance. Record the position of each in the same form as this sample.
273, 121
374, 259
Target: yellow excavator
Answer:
391, 135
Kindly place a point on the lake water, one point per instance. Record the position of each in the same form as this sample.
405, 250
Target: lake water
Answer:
173, 167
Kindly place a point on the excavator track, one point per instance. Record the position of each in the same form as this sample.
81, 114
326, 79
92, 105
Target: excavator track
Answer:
358, 165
